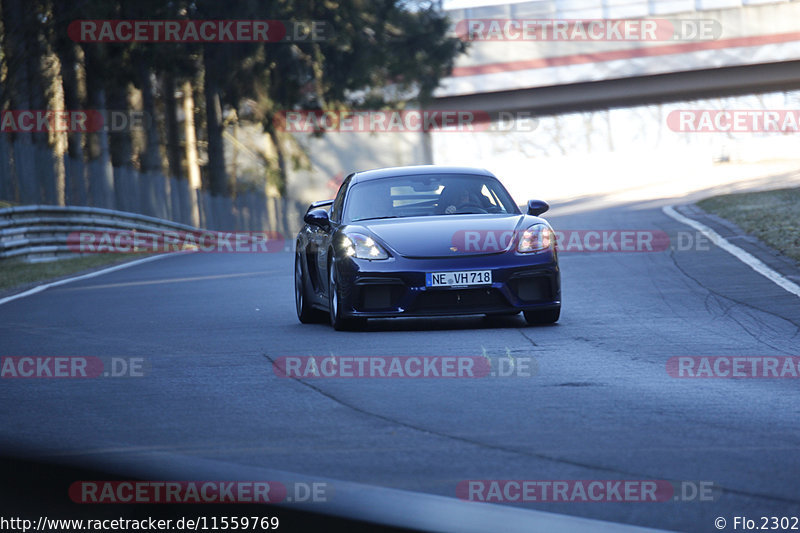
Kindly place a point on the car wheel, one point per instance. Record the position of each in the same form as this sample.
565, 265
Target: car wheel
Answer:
338, 322
546, 316
305, 313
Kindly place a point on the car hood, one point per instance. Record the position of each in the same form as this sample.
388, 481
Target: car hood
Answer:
449, 235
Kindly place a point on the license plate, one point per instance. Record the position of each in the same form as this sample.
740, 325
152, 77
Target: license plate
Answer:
458, 279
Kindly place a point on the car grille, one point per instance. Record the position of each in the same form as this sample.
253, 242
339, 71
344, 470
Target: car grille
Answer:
460, 300
379, 297
532, 289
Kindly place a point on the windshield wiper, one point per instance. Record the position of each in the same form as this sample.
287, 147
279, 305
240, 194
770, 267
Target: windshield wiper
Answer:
377, 218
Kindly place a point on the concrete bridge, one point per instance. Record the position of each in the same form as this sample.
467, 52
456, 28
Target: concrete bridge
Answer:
695, 49
601, 79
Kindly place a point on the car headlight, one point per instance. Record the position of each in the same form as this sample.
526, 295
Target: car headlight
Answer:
362, 247
535, 239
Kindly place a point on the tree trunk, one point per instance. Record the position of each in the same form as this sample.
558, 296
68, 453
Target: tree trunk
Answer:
151, 158
74, 168
192, 166
121, 149
16, 92
171, 119
282, 186
218, 180
153, 186
44, 158
100, 173
178, 187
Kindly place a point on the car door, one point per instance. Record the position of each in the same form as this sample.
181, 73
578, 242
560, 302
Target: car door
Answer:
311, 239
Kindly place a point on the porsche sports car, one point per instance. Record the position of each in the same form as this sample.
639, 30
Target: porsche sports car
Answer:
425, 241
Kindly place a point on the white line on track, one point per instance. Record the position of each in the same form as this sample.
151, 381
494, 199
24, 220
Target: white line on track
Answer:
44, 286
746, 258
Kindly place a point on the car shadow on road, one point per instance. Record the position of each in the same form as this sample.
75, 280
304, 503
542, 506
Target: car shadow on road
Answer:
448, 323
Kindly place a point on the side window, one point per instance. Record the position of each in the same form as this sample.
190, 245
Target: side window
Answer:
338, 204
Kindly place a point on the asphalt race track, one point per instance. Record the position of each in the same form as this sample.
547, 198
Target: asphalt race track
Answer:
600, 406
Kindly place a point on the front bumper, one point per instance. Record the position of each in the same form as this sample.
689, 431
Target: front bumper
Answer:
396, 287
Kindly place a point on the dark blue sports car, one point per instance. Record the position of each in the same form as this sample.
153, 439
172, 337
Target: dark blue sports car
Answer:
425, 241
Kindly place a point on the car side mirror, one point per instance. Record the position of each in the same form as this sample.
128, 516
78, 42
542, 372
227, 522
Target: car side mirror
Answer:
537, 207
317, 217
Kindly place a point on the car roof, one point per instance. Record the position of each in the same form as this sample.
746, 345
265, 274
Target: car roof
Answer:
389, 172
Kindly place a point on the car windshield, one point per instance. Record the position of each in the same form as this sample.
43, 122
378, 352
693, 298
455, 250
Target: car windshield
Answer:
427, 195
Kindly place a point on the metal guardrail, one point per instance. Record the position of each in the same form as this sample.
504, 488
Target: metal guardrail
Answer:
40, 232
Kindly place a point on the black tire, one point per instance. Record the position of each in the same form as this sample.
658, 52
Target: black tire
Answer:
305, 313
338, 322
545, 316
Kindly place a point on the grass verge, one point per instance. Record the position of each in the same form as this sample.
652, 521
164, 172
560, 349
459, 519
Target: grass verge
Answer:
772, 216
15, 273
